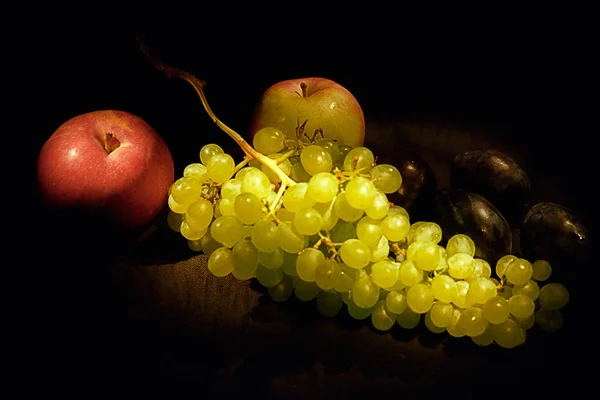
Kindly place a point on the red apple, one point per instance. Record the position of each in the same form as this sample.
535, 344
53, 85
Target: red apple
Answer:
322, 102
108, 161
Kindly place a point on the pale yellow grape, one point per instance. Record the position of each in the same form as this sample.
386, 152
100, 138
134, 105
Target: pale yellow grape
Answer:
343, 231
430, 325
420, 298
398, 286
529, 289
413, 229
307, 262
365, 292
289, 264
481, 290
194, 245
379, 207
541, 270
355, 253
268, 140
409, 274
296, 198
553, 296
427, 232
482, 269
231, 188
382, 318
185, 190
268, 277
395, 227
473, 322
284, 165
395, 301
486, 338
272, 260
357, 312
549, 320
509, 334
299, 174
325, 274
196, 171
385, 273
285, 215
344, 278
246, 231
190, 233
460, 243
444, 288
330, 218
208, 151
345, 211
306, 291
441, 314
322, 187
283, 290
242, 172
408, 319
519, 272
174, 220
506, 291
496, 309
460, 265
461, 299
265, 236
331, 146
308, 221
256, 182
245, 257
289, 239
315, 159
248, 208
344, 149
425, 255
503, 263
227, 230
456, 329
226, 207
386, 177
360, 193
358, 158
220, 167
176, 207
209, 245
199, 214
369, 231
220, 262
217, 210
381, 251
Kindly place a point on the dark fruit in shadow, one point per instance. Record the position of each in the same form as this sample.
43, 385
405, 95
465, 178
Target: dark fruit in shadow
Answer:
459, 211
495, 176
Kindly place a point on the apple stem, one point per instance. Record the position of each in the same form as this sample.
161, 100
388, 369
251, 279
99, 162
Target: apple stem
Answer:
303, 88
111, 143
198, 85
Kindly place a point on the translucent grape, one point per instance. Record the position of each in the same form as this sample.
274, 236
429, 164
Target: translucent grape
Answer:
248, 208
357, 312
427, 232
441, 314
461, 299
289, 239
553, 296
460, 244
381, 251
521, 306
284, 215
395, 301
425, 255
226, 207
345, 211
386, 177
526, 323
541, 270
395, 227
486, 338
231, 188
456, 329
322, 187
368, 230
268, 140
244, 257
299, 174
256, 182
271, 260
196, 171
509, 334
268, 277
460, 265
413, 228
343, 231
408, 319
519, 271
355, 253
325, 274
344, 278
430, 325
496, 310
382, 318
420, 298
289, 263
481, 290
379, 207
209, 150
242, 172
265, 236
306, 291
174, 220
360, 193
176, 207
330, 218
308, 221
199, 214
481, 269
444, 288
189, 233
227, 230
549, 320
331, 146
315, 159
220, 167
409, 274
194, 245
530, 289
385, 273
185, 190
503, 263
220, 262
284, 165
296, 198
473, 322
329, 304
307, 262
283, 290
357, 158
209, 245
365, 293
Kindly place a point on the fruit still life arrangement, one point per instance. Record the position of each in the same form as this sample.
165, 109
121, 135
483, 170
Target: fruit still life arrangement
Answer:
311, 212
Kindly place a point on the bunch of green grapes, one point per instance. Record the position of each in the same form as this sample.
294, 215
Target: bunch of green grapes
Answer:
332, 235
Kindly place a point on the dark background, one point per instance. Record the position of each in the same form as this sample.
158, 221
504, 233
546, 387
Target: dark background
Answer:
523, 74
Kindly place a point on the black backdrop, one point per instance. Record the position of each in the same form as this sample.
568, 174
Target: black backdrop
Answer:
524, 73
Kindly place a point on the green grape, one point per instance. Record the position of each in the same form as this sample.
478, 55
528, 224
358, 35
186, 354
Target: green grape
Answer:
509, 334
395, 209
343, 231
530, 289
220, 262
444, 288
283, 290
195, 245
553, 296
526, 323
496, 310
268, 277
331, 146
289, 239
425, 255
196, 171
308, 221
296, 198
344, 278
460, 243
306, 291
307, 262
355, 253
481, 270
315, 159
409, 274
356, 312
541, 270
268, 140
549, 320
256, 182
208, 151
248, 208
360, 193
176, 207
325, 274
460, 265
185, 190
265, 236
358, 158
285, 166
395, 301
381, 251
428, 232
441, 314
456, 329
486, 338
385, 273
368, 230
462, 299
473, 322
408, 319
428, 322
395, 227
289, 263
226, 207
503, 263
386, 177
413, 229
329, 304
227, 230
382, 318
344, 149
345, 211
323, 187
242, 172
245, 259
380, 207
330, 218
272, 260
231, 188
285, 215
299, 174
420, 298
174, 220
365, 292
189, 233
519, 271
506, 292
481, 290
209, 245
199, 214
220, 167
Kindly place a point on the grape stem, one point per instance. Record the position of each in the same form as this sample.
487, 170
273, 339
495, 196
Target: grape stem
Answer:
198, 85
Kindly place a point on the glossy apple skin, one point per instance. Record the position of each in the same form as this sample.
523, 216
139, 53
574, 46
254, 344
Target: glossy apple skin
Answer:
327, 105
129, 185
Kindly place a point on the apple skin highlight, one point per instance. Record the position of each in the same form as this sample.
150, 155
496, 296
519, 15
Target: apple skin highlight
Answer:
130, 183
